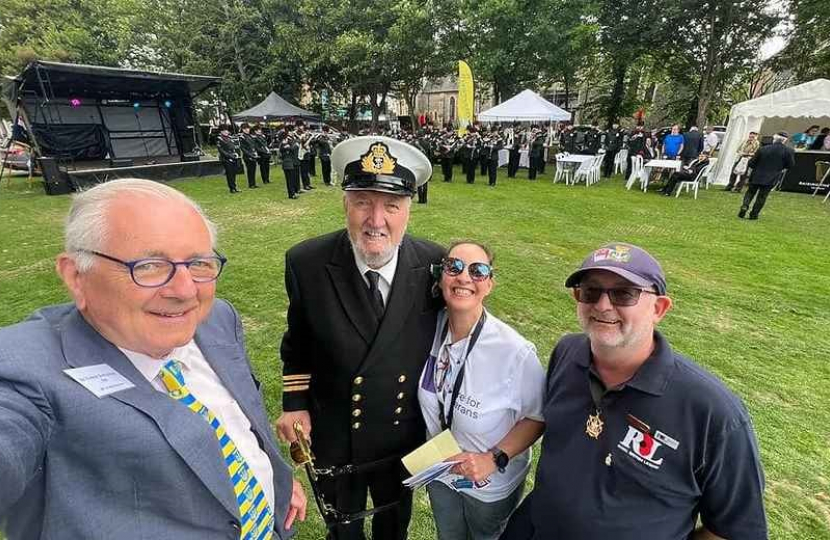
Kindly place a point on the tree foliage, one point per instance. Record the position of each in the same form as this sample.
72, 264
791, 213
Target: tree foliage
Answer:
807, 53
362, 51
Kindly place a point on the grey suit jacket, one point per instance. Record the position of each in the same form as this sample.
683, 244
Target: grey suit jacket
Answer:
132, 465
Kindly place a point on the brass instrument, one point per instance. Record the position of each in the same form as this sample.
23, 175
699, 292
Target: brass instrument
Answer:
301, 449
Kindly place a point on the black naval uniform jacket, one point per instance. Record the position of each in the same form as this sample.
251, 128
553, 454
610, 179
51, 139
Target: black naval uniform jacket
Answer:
248, 146
358, 380
227, 149
289, 154
261, 146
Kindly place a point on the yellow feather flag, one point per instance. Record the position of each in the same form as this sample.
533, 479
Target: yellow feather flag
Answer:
464, 104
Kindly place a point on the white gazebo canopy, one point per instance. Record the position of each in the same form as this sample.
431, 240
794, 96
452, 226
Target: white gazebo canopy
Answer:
527, 106
792, 110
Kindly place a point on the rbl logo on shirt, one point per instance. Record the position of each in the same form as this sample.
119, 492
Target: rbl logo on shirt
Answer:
642, 447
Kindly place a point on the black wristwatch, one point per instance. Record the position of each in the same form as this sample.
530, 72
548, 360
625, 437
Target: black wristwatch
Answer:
500, 458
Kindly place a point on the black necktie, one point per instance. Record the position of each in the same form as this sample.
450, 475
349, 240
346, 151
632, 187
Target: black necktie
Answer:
374, 292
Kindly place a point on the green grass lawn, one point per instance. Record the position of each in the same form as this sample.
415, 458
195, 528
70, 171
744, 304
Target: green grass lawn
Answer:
752, 299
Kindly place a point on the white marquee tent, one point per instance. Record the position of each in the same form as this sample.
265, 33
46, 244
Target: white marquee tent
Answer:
526, 106
793, 110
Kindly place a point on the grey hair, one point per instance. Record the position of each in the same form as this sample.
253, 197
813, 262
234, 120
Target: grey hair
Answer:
86, 228
778, 138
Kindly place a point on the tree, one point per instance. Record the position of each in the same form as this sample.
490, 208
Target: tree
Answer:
628, 31
807, 53
79, 31
498, 38
714, 42
569, 33
414, 51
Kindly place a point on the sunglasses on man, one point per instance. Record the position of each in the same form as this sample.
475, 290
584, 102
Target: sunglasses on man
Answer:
618, 296
452, 266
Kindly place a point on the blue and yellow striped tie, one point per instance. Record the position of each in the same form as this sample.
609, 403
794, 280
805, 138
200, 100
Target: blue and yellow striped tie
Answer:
256, 516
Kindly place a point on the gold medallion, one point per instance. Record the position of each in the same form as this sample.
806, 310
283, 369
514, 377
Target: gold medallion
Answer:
593, 427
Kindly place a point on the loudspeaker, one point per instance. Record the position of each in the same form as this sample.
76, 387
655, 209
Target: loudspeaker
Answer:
55, 181
115, 163
190, 157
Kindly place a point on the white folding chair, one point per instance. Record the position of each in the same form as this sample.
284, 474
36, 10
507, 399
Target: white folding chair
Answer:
636, 170
564, 169
693, 184
823, 178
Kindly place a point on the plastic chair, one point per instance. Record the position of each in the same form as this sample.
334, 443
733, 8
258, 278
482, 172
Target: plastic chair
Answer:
621, 161
636, 170
564, 170
583, 172
596, 168
693, 184
708, 177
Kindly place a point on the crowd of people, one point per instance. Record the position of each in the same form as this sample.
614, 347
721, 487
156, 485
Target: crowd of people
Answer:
479, 152
297, 146
812, 139
132, 412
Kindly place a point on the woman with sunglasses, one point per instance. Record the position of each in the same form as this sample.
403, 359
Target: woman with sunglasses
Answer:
484, 382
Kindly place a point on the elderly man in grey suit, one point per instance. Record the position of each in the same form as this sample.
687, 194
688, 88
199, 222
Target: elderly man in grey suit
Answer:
133, 413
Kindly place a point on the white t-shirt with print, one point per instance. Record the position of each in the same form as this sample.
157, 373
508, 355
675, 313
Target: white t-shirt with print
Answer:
503, 383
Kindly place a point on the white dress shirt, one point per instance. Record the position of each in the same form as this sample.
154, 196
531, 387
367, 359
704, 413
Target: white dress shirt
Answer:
387, 274
711, 142
206, 387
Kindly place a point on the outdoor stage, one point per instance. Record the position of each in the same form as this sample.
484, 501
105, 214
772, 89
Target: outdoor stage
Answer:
160, 169
90, 124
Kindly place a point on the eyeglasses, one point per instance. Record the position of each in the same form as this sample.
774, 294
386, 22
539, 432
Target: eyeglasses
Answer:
157, 272
478, 271
618, 296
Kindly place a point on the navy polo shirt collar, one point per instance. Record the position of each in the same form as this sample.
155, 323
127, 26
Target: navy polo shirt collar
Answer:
653, 376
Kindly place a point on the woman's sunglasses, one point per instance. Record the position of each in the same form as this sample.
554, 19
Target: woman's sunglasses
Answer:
478, 271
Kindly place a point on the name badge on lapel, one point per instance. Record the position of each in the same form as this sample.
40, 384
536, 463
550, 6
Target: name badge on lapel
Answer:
99, 379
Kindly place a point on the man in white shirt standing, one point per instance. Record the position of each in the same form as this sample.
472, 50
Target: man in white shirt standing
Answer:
133, 413
711, 141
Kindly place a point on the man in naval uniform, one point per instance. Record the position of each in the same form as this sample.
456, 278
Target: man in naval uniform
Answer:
361, 319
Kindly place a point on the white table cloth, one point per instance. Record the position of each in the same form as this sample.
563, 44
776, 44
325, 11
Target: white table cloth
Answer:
656, 164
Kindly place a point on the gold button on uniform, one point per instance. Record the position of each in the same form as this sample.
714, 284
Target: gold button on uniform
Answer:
358, 380
356, 398
402, 379
399, 410
356, 425
400, 395
396, 422
356, 413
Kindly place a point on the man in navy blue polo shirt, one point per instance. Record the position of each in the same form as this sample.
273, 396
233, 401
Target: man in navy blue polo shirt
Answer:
640, 441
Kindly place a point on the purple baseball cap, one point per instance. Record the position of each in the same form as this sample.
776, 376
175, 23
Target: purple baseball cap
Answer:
627, 261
